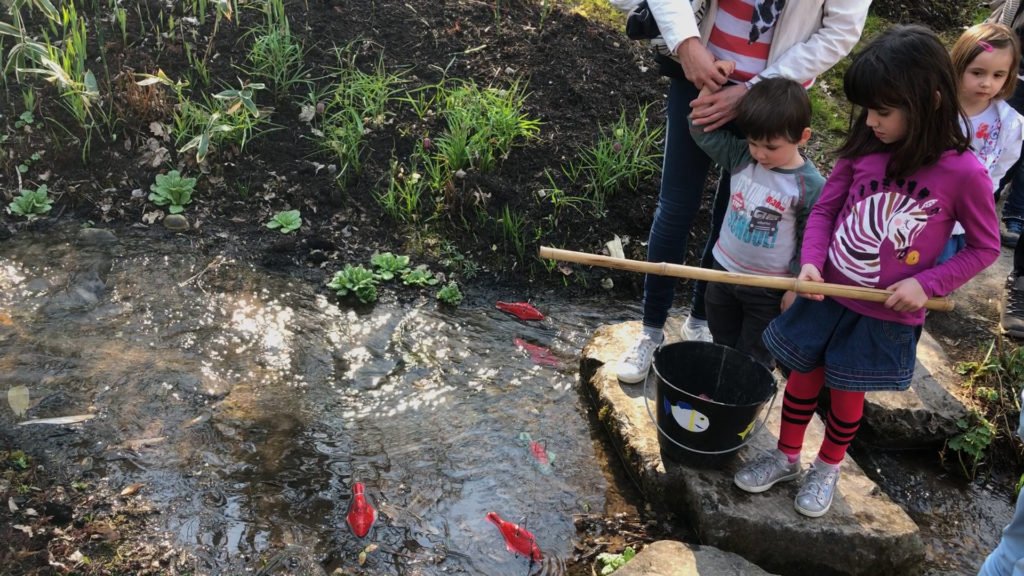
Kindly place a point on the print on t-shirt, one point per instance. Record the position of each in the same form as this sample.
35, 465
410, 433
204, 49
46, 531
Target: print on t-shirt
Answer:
880, 224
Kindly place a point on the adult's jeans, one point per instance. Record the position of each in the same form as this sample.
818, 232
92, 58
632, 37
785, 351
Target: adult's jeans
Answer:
1014, 205
683, 173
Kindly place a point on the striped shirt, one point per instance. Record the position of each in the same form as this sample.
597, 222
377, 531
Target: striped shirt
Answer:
730, 39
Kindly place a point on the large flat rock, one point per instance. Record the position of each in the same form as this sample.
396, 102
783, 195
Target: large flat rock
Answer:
863, 533
670, 558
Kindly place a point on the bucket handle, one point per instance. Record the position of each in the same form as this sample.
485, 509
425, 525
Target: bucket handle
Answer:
764, 421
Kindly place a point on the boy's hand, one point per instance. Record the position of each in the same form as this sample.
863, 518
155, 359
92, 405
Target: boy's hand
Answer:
810, 273
787, 300
907, 296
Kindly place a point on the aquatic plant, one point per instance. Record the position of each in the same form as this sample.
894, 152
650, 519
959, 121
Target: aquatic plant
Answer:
355, 280
450, 294
31, 203
419, 276
173, 189
387, 265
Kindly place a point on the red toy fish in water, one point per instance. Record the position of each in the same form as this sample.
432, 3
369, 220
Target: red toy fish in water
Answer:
361, 514
518, 540
521, 310
538, 354
539, 452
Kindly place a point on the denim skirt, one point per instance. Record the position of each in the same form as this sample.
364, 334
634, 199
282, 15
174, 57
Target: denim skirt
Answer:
859, 353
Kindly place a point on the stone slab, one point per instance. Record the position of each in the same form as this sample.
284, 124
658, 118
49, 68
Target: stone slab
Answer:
864, 532
671, 558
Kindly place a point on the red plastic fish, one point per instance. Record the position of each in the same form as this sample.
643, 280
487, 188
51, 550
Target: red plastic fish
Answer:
538, 354
361, 514
521, 310
518, 540
539, 453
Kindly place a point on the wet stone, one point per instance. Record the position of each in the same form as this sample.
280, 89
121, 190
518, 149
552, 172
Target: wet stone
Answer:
176, 223
670, 558
96, 237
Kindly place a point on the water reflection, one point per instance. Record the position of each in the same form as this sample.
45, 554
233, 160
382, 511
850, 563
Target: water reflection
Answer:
249, 404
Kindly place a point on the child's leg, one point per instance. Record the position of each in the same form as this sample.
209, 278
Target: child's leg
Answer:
760, 307
844, 414
724, 313
799, 402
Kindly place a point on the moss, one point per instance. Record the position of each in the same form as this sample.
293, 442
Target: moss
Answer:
597, 10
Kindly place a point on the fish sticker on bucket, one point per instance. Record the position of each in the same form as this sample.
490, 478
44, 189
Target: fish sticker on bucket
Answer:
747, 430
687, 417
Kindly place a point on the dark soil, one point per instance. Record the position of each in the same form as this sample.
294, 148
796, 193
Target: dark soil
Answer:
580, 74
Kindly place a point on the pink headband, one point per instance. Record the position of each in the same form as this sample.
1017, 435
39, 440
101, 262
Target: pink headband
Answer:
985, 46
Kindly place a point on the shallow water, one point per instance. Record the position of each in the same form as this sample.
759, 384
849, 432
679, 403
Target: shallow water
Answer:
248, 404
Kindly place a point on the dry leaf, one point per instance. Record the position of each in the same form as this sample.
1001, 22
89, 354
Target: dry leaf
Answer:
307, 113
18, 398
25, 529
151, 217
11, 504
131, 489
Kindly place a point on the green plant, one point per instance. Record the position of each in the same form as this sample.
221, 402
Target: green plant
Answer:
31, 203
173, 189
79, 485
612, 562
622, 156
357, 281
286, 220
275, 54
25, 119
482, 124
355, 105
18, 459
403, 198
232, 118
450, 294
419, 276
513, 228
388, 265
972, 443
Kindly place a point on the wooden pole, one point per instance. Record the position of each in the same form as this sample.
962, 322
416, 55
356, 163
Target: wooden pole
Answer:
695, 273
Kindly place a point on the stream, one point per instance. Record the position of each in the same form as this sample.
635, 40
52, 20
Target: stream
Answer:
247, 404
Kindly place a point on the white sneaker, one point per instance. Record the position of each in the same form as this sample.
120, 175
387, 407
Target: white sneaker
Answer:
636, 362
698, 333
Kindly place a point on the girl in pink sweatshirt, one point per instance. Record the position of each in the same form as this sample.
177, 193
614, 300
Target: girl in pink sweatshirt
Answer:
904, 176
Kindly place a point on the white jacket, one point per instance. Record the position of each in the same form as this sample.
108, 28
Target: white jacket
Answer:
809, 37
1010, 140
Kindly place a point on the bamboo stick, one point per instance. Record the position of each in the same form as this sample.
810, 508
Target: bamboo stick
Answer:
695, 273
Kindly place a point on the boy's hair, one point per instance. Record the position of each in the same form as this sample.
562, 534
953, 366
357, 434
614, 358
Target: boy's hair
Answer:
905, 67
983, 37
774, 108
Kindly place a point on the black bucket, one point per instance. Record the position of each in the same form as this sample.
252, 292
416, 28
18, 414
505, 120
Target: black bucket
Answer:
708, 400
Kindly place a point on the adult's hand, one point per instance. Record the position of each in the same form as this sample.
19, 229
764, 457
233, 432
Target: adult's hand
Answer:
712, 111
699, 65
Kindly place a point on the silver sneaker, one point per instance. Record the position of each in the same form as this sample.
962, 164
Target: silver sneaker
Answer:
765, 471
815, 496
636, 362
700, 333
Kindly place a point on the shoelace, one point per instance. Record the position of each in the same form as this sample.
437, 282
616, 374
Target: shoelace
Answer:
819, 482
1015, 294
641, 350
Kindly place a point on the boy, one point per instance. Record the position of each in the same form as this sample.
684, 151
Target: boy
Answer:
772, 190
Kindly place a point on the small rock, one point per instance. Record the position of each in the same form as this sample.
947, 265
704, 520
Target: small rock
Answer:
176, 223
96, 237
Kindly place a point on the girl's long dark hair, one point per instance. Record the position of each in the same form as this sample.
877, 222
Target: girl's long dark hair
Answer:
905, 67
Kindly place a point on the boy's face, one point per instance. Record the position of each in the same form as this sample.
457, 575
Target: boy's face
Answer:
777, 152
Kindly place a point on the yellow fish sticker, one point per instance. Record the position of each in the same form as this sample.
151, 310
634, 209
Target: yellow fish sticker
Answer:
747, 430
